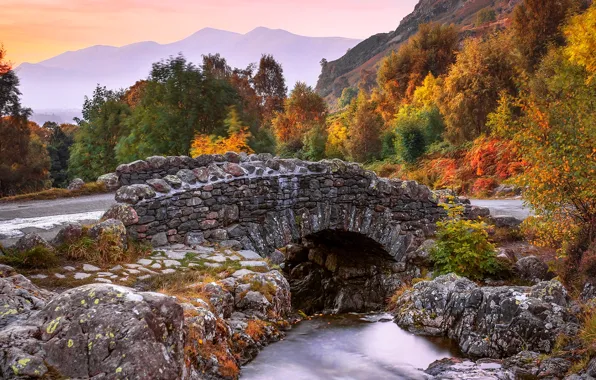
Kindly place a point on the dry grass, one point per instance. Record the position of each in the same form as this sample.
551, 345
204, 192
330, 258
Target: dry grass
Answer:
107, 250
53, 193
265, 288
256, 329
392, 302
587, 333
37, 258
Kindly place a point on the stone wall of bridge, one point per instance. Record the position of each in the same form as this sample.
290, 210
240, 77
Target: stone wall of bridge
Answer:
262, 203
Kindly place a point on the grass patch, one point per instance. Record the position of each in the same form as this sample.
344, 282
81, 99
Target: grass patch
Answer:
392, 302
587, 333
107, 250
39, 257
256, 329
265, 288
54, 193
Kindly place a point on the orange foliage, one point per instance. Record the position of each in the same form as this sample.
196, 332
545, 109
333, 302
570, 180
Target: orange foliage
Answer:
494, 157
236, 142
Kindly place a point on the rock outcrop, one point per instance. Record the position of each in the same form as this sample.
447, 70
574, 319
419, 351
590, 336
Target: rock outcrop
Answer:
206, 331
76, 184
110, 181
30, 241
493, 322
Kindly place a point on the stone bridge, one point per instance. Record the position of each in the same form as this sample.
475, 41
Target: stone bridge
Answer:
263, 203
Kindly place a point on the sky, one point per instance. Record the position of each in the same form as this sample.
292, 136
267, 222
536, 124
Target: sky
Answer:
34, 30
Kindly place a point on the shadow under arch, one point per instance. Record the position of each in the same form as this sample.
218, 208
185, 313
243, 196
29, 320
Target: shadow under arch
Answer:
334, 271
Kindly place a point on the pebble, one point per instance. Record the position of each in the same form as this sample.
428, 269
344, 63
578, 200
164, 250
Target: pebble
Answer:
81, 276
90, 268
171, 263
250, 255
144, 262
254, 264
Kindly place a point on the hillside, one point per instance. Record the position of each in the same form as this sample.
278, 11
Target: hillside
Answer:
61, 82
362, 60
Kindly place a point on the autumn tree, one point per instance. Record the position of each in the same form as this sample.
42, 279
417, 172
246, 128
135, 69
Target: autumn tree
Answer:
365, 129
102, 126
348, 94
536, 24
431, 50
23, 162
179, 101
236, 140
482, 71
270, 86
581, 41
304, 110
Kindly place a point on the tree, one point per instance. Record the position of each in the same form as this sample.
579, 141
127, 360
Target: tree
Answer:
555, 135
236, 141
431, 50
536, 24
364, 142
102, 126
347, 95
179, 101
303, 111
23, 162
59, 152
485, 16
416, 129
270, 85
471, 91
581, 40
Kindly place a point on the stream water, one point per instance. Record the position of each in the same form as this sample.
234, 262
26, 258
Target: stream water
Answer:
348, 347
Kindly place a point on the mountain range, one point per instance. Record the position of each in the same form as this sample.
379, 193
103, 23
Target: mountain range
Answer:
61, 82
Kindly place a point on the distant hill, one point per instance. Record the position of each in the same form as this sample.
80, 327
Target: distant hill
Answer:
365, 57
61, 82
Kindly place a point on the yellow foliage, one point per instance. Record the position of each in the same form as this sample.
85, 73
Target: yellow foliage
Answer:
581, 40
236, 142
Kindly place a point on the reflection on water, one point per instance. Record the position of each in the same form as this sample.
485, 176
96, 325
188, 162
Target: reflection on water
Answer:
350, 347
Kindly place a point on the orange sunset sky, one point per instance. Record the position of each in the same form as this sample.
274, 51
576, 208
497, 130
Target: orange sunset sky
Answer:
34, 30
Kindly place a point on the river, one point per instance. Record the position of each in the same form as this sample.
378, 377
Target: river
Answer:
348, 347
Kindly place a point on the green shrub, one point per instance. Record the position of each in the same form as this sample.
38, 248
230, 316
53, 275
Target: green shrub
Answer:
39, 257
463, 248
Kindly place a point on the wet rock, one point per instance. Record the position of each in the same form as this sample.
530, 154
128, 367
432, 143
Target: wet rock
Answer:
110, 229
464, 369
276, 257
506, 221
159, 185
533, 269
80, 334
528, 364
76, 184
68, 234
30, 241
110, 181
122, 212
421, 256
6, 271
19, 298
491, 322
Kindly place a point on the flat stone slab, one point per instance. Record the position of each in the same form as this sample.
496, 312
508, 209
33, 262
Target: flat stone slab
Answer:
81, 276
133, 271
250, 255
218, 258
168, 271
171, 263
144, 277
39, 276
116, 268
133, 266
213, 265
254, 264
175, 255
144, 262
242, 273
58, 275
103, 280
90, 268
69, 268
156, 266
